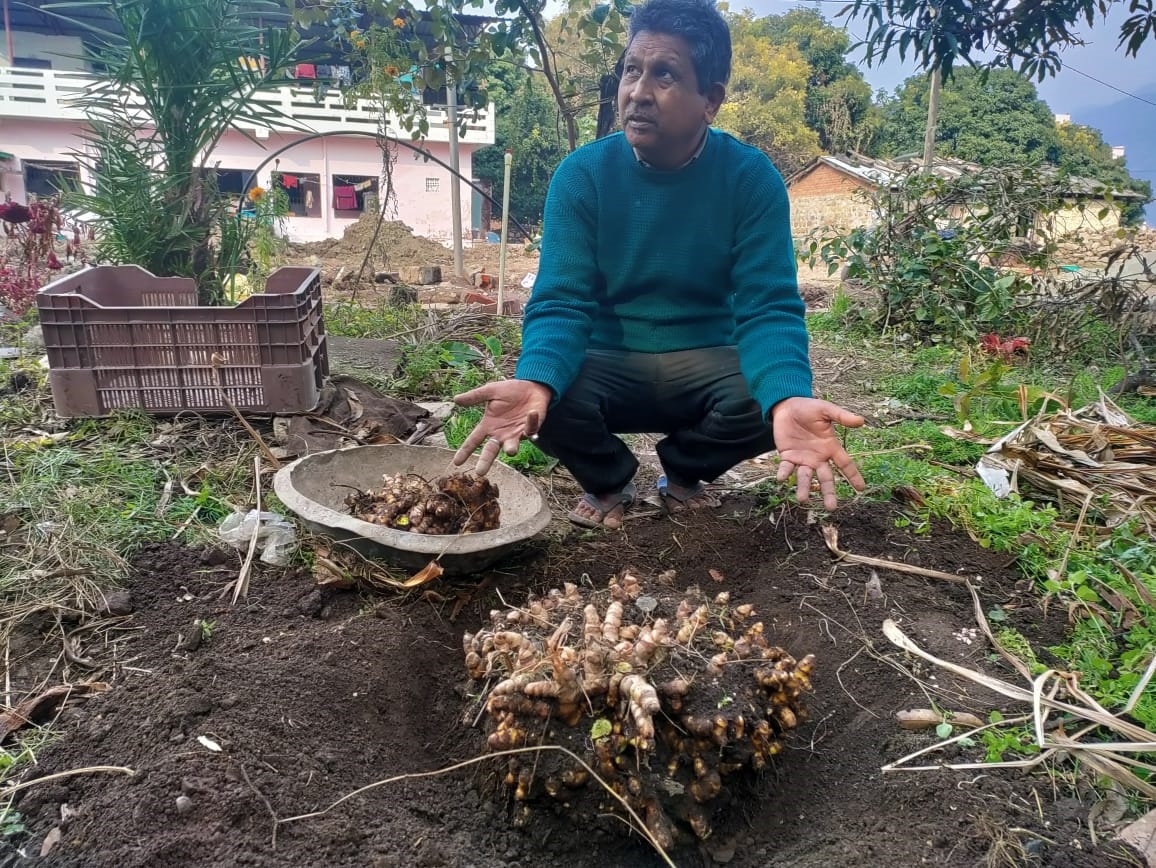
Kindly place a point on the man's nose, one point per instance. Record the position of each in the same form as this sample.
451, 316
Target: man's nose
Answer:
642, 92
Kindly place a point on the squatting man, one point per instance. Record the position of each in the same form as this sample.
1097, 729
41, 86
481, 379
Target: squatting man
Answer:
666, 299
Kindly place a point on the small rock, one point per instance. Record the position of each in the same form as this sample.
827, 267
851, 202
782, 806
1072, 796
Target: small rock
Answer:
420, 275
228, 702
312, 603
721, 852
195, 706
177, 737
18, 382
214, 556
184, 804
440, 410
118, 602
188, 787
1142, 835
191, 640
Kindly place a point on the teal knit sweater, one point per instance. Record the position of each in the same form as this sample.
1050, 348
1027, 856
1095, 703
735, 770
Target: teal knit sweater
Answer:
652, 261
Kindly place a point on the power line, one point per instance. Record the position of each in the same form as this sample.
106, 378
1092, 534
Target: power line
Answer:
1112, 86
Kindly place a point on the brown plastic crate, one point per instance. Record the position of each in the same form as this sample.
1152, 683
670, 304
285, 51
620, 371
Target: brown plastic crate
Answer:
119, 337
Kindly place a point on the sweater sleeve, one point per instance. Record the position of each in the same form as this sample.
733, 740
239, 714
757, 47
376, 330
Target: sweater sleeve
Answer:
558, 318
770, 329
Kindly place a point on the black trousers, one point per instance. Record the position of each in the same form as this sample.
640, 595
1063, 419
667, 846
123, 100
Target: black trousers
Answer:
698, 398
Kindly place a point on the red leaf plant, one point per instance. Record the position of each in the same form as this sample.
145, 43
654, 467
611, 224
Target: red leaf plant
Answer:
1006, 349
28, 254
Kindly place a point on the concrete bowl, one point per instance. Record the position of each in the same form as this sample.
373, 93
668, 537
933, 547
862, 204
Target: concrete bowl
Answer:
315, 488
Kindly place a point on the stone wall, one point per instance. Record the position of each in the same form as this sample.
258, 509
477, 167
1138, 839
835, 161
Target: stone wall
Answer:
1091, 249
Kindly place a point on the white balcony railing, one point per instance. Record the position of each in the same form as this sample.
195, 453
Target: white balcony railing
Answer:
52, 94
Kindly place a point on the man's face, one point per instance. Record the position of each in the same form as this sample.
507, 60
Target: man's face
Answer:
663, 114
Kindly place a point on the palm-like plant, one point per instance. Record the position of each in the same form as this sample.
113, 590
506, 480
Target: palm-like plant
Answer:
178, 75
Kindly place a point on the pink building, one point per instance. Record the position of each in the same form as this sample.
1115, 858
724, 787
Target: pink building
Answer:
329, 180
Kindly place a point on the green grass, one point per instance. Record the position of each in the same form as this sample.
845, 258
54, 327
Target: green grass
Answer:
1113, 636
355, 320
92, 494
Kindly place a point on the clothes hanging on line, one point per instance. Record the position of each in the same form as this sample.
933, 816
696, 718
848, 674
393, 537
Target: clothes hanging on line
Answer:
288, 182
345, 198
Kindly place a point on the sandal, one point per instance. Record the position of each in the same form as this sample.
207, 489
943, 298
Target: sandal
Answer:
672, 502
624, 499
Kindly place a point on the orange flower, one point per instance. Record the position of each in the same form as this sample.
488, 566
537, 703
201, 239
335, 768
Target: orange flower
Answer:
399, 22
256, 194
392, 71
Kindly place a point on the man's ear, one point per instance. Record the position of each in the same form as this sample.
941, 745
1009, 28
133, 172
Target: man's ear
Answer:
714, 100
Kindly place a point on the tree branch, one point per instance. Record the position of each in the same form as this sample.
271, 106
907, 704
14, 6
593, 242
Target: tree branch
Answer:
548, 70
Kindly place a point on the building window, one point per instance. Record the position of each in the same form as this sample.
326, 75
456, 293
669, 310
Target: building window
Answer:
43, 179
353, 194
229, 182
433, 185
303, 192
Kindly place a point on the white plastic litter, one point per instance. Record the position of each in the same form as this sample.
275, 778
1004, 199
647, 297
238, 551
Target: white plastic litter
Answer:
276, 535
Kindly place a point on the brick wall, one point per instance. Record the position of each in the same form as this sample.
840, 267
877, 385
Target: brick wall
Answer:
825, 197
824, 181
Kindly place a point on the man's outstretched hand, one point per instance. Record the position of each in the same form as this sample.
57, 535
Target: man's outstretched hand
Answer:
515, 410
805, 438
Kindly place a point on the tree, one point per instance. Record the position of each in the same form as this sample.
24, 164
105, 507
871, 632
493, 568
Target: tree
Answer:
530, 127
766, 102
838, 103
176, 80
992, 118
1010, 33
516, 35
1085, 154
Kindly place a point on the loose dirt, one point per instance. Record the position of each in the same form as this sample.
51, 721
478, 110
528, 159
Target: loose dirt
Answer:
397, 246
313, 693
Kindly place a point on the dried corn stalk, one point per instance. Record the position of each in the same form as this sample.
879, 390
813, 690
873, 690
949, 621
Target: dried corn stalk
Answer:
459, 503
1095, 452
672, 699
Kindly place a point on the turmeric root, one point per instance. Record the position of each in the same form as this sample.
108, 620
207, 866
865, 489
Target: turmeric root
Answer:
653, 693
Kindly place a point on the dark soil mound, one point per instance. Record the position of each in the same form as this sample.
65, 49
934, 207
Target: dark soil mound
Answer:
311, 694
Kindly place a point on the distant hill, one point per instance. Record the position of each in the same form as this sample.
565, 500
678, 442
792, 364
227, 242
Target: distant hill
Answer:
1130, 123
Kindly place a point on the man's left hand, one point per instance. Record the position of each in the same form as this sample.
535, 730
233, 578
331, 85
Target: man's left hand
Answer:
805, 438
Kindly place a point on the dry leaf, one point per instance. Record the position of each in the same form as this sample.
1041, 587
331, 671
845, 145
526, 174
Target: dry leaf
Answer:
43, 704
428, 573
716, 575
